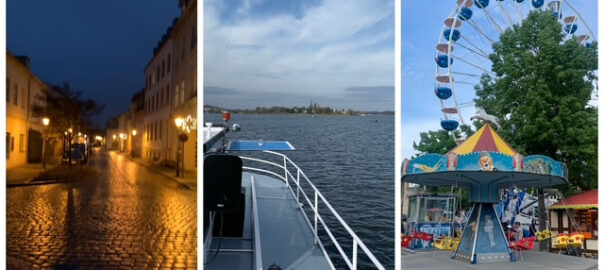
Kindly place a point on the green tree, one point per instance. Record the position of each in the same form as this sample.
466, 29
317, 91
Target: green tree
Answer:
541, 95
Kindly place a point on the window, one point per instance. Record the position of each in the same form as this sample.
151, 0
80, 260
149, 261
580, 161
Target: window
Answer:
182, 95
160, 128
16, 95
157, 100
163, 67
182, 52
7, 144
154, 130
7, 92
147, 131
167, 95
157, 71
21, 142
23, 99
161, 99
176, 96
169, 63
12, 143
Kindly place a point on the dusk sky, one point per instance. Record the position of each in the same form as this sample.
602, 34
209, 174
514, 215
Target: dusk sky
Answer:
99, 47
286, 53
422, 23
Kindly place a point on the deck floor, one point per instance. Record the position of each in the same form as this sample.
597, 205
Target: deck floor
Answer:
285, 238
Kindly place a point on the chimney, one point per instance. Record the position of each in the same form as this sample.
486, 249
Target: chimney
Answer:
24, 59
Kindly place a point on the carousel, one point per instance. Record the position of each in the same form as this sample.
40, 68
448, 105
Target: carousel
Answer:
484, 164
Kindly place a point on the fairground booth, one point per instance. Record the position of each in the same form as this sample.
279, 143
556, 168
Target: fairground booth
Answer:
577, 214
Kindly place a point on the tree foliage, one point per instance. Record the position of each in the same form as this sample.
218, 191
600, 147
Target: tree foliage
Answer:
440, 141
541, 95
67, 109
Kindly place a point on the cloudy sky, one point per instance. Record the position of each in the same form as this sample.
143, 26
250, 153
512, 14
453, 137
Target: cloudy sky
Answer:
99, 47
422, 23
270, 52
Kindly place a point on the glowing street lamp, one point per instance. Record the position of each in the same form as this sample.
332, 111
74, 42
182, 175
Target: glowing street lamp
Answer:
114, 136
179, 121
184, 125
133, 142
45, 122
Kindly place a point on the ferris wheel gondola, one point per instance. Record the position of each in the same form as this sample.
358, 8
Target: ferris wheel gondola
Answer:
466, 39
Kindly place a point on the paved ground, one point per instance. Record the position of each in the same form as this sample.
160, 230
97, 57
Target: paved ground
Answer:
530, 260
189, 179
130, 217
24, 173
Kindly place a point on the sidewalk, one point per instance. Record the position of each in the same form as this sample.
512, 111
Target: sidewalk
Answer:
189, 179
24, 173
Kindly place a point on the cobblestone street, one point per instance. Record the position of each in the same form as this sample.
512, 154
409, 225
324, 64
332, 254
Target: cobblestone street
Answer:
129, 217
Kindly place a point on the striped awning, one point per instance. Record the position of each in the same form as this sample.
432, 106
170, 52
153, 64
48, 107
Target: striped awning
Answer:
485, 139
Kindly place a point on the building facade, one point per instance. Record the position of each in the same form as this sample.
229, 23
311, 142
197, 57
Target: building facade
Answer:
23, 129
184, 80
157, 102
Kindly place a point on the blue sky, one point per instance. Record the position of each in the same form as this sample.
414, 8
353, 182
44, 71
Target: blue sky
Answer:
422, 23
262, 53
100, 47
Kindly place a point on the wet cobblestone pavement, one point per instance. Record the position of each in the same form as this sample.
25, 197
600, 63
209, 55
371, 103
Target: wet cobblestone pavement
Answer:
127, 218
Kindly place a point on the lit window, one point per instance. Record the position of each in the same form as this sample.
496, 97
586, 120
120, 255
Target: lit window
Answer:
21, 142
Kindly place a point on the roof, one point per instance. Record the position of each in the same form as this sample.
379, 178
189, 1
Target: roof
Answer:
585, 200
485, 139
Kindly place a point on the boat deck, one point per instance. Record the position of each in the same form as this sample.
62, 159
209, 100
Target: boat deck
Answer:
285, 238
530, 260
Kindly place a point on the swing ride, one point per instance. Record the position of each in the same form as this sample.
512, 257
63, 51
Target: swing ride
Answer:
484, 164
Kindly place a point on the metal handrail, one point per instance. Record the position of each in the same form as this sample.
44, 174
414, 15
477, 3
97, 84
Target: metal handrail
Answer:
288, 178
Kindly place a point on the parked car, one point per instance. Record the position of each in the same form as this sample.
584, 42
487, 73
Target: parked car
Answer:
83, 148
76, 157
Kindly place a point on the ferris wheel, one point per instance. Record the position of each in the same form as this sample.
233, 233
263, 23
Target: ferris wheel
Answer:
466, 40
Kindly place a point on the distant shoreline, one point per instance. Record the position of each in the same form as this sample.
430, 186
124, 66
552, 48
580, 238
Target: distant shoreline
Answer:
314, 110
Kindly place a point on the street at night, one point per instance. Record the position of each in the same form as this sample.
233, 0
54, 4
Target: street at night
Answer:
127, 217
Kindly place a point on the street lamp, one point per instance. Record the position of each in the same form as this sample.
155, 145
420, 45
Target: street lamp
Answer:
123, 136
178, 121
133, 141
184, 126
45, 122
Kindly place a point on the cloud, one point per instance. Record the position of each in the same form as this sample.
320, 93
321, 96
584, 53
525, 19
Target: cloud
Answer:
317, 48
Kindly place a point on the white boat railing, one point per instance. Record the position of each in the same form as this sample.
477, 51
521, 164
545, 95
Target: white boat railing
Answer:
290, 180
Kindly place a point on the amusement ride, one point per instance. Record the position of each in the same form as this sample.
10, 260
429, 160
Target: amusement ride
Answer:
496, 176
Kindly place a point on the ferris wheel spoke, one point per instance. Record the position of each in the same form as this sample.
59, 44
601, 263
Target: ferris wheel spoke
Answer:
479, 52
506, 15
464, 82
466, 104
472, 64
466, 74
497, 27
479, 30
519, 11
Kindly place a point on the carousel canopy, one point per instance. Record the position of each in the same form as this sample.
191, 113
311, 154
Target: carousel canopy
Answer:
585, 200
484, 163
485, 139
